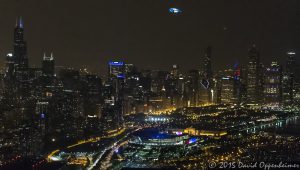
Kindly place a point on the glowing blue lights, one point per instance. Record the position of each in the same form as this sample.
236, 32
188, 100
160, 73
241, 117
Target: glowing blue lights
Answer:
42, 116
192, 140
21, 23
116, 63
121, 76
175, 10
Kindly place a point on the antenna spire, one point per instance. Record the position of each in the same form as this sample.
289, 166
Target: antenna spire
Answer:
51, 57
17, 22
21, 23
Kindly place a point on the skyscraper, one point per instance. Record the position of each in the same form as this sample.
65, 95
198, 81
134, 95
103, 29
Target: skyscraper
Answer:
17, 62
237, 83
116, 69
289, 80
113, 110
20, 60
227, 87
48, 64
226, 84
253, 76
9, 69
207, 65
273, 85
20, 46
192, 88
206, 78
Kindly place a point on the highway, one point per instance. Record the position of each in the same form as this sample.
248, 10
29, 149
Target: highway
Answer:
102, 156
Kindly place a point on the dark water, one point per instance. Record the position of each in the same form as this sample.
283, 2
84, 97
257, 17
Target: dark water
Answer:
287, 127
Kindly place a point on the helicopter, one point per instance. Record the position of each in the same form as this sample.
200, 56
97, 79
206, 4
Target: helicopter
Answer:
174, 9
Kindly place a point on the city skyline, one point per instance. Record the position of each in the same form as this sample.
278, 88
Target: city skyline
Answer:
230, 40
174, 100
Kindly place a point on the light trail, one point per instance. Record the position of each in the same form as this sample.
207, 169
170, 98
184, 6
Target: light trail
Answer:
106, 164
97, 160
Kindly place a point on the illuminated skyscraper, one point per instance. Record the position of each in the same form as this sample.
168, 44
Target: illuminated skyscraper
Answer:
21, 70
41, 129
113, 109
174, 71
207, 65
192, 88
116, 69
237, 83
243, 85
226, 87
206, 78
20, 46
254, 76
273, 85
9, 69
289, 80
116, 75
17, 62
48, 65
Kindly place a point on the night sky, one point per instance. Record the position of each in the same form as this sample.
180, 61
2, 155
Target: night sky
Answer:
143, 32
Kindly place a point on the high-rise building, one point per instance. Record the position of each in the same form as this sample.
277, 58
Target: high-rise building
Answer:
174, 72
17, 62
116, 75
273, 85
288, 91
41, 129
20, 46
48, 66
207, 65
158, 80
243, 85
91, 94
69, 78
291, 62
20, 57
227, 85
254, 75
206, 81
116, 69
237, 83
113, 110
9, 64
192, 88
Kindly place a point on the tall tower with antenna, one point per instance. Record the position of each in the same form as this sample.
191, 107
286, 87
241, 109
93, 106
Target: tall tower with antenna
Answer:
20, 45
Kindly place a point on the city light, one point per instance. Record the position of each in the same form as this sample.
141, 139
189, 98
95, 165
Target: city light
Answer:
116, 63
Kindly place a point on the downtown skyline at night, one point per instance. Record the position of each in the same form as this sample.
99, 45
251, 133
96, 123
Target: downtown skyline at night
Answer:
95, 32
149, 84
